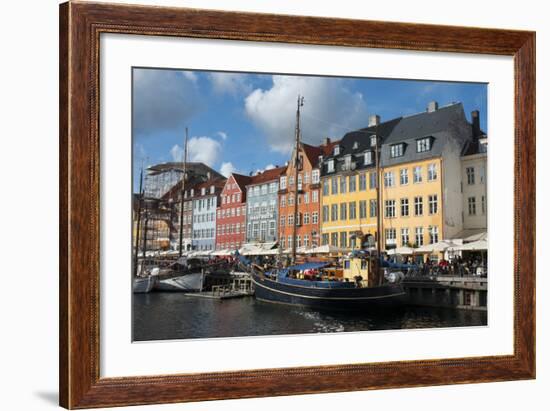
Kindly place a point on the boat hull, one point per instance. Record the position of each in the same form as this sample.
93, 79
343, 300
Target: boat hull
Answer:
266, 289
182, 283
145, 284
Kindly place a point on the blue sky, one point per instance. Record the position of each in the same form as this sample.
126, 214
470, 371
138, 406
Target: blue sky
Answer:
244, 122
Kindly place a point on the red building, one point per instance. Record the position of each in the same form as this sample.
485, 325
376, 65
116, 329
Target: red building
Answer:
231, 214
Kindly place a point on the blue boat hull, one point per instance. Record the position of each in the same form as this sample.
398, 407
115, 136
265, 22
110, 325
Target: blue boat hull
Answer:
266, 289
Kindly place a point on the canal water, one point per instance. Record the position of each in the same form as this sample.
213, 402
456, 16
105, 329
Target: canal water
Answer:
166, 316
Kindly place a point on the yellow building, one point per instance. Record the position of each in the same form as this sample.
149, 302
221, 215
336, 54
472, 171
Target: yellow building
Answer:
411, 196
421, 197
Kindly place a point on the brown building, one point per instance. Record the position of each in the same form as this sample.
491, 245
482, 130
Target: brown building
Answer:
307, 187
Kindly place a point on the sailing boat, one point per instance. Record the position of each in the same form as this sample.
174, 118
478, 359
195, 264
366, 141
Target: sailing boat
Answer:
356, 283
182, 277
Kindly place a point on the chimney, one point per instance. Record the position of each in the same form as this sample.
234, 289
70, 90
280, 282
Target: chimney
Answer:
476, 130
374, 120
326, 141
432, 106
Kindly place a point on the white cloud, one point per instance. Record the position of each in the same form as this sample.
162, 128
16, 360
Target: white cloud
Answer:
227, 168
200, 149
269, 167
231, 83
222, 134
189, 75
330, 109
164, 100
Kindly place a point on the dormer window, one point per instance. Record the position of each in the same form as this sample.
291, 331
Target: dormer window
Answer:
192, 192
355, 145
368, 158
373, 140
423, 144
212, 189
330, 166
336, 150
397, 150
203, 191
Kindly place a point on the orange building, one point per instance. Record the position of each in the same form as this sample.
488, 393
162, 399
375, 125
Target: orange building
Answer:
308, 187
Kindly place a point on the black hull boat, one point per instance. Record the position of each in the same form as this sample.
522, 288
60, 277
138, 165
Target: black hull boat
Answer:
325, 294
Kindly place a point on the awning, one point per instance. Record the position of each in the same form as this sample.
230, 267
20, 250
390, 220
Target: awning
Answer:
471, 235
438, 247
402, 251
480, 245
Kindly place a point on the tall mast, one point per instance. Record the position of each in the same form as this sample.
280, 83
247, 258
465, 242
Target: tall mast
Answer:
138, 222
299, 103
378, 204
183, 191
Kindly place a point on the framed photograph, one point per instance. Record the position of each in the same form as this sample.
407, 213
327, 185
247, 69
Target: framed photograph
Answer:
260, 205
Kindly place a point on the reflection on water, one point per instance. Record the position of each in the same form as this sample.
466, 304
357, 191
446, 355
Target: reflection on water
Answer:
165, 316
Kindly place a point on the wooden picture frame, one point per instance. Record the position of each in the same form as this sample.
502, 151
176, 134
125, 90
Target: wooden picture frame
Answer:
80, 27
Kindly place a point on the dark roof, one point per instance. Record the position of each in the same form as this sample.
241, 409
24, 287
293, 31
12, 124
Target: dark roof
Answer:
447, 127
242, 181
267, 175
191, 167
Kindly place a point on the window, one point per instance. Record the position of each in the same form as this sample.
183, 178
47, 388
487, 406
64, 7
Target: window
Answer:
315, 196
482, 175
334, 185
483, 204
306, 198
282, 242
334, 212
372, 208
390, 236
343, 211
325, 187
315, 217
291, 219
330, 166
291, 181
283, 220
352, 183
404, 237
417, 174
434, 234
432, 204
334, 239
324, 239
306, 218
283, 182
299, 181
372, 180
471, 205
390, 208
373, 140
418, 206
423, 144
336, 150
404, 207
353, 210
290, 200
343, 239
397, 150
362, 182
343, 185
315, 174
306, 178
325, 213
368, 158
306, 240
404, 176
389, 179
419, 236
363, 209
470, 173
432, 172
